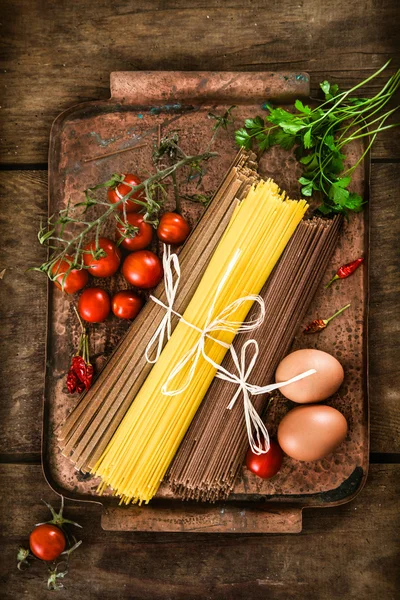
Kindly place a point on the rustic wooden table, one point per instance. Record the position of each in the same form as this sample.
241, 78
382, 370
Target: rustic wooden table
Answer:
56, 54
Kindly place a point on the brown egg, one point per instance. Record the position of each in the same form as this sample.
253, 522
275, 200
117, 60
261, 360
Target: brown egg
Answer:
314, 388
311, 432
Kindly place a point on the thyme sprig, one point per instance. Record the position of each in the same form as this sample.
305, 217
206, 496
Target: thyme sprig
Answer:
320, 135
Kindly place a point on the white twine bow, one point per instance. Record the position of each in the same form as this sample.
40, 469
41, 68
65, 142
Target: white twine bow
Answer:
221, 322
256, 430
259, 440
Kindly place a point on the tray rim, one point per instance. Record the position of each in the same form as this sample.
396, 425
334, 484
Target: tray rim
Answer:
299, 502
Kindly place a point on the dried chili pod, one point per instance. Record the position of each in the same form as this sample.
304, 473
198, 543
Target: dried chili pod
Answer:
72, 381
88, 376
320, 324
346, 270
80, 374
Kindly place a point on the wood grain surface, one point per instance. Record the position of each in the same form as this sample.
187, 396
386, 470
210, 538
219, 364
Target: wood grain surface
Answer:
344, 552
56, 54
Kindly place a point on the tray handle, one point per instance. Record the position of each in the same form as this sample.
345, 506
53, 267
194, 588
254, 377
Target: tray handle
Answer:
198, 87
225, 518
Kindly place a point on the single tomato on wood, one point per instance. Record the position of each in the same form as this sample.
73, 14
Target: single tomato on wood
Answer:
75, 280
126, 304
47, 541
265, 465
138, 240
173, 228
143, 269
115, 194
108, 264
94, 305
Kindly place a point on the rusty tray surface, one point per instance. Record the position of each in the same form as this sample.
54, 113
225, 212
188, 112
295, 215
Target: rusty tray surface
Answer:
181, 101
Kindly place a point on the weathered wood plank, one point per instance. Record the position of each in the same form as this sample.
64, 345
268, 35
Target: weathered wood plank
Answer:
23, 314
384, 339
57, 54
24, 308
343, 552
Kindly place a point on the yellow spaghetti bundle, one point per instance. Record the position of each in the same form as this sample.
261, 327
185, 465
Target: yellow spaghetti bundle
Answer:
141, 450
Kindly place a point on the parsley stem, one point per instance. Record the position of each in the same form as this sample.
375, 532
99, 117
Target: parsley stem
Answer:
344, 95
380, 119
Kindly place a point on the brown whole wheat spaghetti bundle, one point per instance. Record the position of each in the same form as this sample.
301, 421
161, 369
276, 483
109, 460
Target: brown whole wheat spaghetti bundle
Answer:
212, 452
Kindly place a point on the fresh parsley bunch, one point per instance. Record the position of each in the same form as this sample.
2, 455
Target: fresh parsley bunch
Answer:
319, 136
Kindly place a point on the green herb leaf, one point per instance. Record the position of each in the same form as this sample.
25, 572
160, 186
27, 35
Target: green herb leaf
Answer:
306, 160
243, 138
279, 115
304, 181
325, 87
264, 141
307, 190
338, 195
285, 140
354, 202
301, 108
336, 164
307, 141
257, 123
329, 141
329, 90
343, 182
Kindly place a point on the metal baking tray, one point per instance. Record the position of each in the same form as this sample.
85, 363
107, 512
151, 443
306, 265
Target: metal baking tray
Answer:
139, 103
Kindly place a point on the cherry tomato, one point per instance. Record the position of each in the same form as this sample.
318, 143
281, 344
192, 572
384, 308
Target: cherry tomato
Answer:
143, 269
141, 239
115, 194
75, 280
94, 305
173, 229
126, 304
47, 541
265, 465
106, 266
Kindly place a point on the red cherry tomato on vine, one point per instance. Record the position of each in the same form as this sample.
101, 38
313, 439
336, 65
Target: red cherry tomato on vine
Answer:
143, 269
47, 541
139, 240
106, 266
173, 229
116, 193
126, 304
265, 465
94, 305
75, 280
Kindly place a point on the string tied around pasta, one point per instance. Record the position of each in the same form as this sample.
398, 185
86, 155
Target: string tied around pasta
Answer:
256, 430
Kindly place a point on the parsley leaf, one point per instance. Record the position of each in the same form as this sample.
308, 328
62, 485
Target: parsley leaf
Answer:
307, 141
285, 140
301, 108
354, 202
257, 123
338, 195
243, 138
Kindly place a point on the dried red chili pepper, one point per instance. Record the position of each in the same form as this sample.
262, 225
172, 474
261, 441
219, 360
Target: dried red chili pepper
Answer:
80, 374
72, 381
346, 270
319, 324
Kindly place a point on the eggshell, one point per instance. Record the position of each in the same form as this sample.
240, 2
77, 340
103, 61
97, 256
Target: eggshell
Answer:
314, 388
311, 432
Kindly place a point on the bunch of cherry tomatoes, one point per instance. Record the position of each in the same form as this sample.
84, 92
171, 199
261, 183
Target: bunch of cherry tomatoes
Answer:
141, 267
